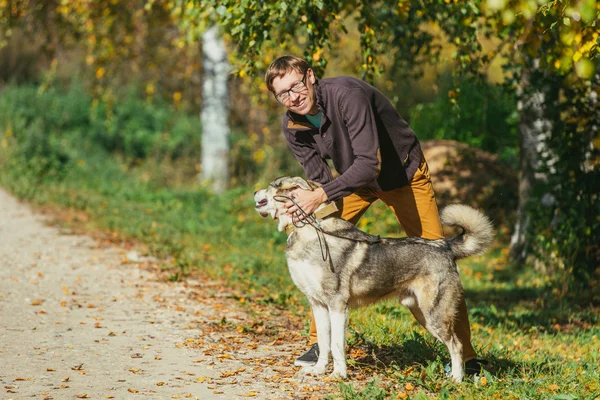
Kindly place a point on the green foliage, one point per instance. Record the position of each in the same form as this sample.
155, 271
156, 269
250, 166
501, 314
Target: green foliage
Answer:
567, 225
48, 132
485, 118
371, 391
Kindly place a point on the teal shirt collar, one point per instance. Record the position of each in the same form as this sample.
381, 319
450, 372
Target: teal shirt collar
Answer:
315, 119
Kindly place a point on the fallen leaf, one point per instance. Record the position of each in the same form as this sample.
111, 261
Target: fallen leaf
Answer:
251, 394
37, 302
133, 390
409, 386
82, 396
160, 384
50, 369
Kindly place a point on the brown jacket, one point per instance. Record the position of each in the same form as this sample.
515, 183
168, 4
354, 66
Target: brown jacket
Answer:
369, 144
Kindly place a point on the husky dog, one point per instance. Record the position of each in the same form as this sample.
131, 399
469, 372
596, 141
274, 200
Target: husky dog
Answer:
337, 266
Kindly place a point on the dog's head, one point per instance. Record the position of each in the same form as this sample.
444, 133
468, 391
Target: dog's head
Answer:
271, 201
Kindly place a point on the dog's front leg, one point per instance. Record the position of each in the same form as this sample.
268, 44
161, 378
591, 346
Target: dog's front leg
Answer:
321, 314
339, 322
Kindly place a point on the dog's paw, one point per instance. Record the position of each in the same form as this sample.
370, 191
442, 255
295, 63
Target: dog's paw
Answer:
339, 375
314, 370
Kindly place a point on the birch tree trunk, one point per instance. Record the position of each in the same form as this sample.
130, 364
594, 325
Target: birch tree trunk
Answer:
536, 99
214, 114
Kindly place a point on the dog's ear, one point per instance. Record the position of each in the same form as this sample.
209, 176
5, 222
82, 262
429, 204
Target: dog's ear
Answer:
314, 185
294, 183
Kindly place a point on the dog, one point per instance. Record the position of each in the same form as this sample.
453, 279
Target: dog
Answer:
338, 266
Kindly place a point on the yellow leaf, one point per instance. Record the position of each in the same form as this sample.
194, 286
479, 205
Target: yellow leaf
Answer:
177, 97
553, 387
133, 390
409, 386
483, 381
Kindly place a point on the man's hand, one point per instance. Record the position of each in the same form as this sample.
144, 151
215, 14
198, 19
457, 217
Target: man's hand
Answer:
308, 200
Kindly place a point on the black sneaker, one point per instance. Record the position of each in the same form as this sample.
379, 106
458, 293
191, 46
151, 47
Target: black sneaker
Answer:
309, 358
474, 366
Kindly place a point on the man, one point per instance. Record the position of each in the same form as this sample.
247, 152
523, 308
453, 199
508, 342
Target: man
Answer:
374, 151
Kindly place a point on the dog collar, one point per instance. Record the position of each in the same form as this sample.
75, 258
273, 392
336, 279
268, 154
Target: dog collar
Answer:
321, 213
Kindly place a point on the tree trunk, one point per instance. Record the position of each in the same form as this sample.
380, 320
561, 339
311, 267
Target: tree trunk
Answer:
214, 115
536, 98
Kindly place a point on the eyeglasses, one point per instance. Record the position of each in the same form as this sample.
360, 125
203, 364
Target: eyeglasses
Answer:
297, 87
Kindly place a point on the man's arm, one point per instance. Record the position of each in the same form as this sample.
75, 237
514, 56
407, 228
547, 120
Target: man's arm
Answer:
315, 168
360, 120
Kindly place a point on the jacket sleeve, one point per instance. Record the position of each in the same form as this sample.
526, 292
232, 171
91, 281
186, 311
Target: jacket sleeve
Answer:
360, 121
315, 168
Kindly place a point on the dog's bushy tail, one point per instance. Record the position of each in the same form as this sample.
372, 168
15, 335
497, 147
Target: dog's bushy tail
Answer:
478, 232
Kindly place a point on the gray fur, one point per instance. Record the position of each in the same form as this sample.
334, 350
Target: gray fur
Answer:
421, 273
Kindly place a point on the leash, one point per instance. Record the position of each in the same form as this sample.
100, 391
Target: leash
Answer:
312, 221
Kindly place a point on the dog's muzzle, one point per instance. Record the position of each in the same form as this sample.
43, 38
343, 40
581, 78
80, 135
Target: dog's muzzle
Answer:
261, 204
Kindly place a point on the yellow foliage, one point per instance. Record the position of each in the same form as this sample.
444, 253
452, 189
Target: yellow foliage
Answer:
177, 97
259, 156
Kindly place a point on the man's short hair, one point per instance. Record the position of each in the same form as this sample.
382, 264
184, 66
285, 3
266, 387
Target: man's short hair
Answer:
282, 66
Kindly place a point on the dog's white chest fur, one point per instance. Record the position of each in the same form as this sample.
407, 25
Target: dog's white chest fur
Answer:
307, 277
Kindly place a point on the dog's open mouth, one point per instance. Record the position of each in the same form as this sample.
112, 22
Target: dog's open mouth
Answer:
260, 204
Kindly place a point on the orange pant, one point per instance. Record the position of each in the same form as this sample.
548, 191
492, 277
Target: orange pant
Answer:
416, 210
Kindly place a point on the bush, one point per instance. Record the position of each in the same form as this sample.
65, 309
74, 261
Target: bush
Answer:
50, 130
485, 117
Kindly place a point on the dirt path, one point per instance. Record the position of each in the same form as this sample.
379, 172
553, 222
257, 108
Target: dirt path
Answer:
78, 319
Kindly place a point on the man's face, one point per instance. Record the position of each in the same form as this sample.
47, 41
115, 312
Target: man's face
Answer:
296, 91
